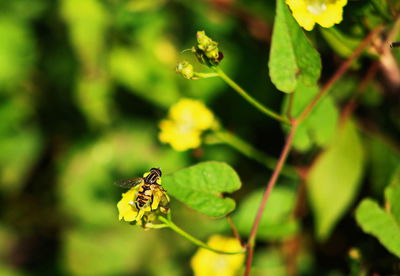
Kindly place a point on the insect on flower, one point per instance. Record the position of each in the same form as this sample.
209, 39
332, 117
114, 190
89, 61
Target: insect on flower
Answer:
150, 194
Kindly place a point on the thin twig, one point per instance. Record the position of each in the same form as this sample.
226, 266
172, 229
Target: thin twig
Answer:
270, 186
352, 103
339, 73
234, 230
169, 223
265, 110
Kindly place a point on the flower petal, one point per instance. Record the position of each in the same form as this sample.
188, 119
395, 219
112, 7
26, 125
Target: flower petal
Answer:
126, 207
206, 263
324, 12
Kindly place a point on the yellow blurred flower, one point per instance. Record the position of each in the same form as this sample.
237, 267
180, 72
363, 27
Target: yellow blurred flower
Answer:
207, 263
187, 119
323, 12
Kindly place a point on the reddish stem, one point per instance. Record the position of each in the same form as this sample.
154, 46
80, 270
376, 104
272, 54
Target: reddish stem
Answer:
234, 230
339, 73
270, 186
352, 103
285, 152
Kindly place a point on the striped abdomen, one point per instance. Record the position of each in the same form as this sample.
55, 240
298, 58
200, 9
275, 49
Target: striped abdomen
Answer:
144, 195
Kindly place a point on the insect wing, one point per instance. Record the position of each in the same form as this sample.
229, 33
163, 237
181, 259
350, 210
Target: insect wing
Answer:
129, 182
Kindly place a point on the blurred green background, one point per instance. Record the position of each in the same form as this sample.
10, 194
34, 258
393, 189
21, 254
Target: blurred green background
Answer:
83, 85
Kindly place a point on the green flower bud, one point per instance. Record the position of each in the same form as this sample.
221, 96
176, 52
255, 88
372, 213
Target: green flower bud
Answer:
203, 40
206, 50
185, 69
213, 54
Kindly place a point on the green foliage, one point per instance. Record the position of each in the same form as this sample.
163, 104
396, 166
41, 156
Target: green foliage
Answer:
200, 187
276, 223
335, 178
375, 221
270, 262
84, 86
392, 195
17, 52
383, 159
320, 126
293, 60
131, 69
20, 143
116, 254
342, 44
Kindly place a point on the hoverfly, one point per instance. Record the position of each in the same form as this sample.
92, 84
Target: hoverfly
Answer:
150, 183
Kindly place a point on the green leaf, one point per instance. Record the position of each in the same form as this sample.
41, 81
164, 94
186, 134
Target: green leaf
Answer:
392, 195
275, 222
201, 187
17, 51
133, 68
292, 57
384, 160
340, 43
84, 255
376, 222
334, 179
319, 127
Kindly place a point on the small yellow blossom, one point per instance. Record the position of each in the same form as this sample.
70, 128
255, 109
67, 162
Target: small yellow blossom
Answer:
207, 263
128, 211
187, 119
323, 12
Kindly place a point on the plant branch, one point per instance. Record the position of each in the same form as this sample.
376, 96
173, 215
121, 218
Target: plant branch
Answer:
249, 98
352, 103
339, 73
192, 239
233, 228
199, 75
158, 226
270, 186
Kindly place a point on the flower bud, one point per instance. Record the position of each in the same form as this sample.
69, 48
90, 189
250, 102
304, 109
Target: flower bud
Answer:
203, 41
185, 69
206, 50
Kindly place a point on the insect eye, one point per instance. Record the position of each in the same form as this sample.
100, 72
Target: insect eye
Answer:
157, 170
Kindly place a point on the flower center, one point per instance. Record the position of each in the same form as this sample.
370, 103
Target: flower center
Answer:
185, 127
316, 6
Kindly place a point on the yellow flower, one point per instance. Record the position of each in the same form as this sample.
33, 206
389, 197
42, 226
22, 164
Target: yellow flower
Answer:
324, 12
207, 263
127, 208
187, 119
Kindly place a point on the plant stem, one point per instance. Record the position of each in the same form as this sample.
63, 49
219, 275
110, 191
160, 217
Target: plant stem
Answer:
158, 226
192, 239
270, 186
205, 75
249, 98
339, 73
294, 124
252, 153
234, 230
